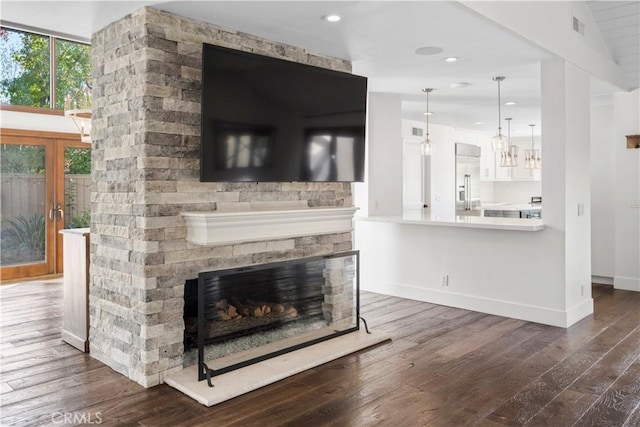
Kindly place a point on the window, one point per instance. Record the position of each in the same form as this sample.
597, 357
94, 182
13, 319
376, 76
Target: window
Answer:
30, 60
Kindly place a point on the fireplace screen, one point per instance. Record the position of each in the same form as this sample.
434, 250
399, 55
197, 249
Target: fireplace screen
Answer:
249, 314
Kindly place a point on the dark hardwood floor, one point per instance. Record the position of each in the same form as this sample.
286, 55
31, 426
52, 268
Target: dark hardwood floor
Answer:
445, 367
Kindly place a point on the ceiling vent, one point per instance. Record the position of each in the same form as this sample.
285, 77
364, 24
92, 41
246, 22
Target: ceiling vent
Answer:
417, 131
578, 26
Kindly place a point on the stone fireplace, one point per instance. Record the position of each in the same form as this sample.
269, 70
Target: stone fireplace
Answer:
146, 127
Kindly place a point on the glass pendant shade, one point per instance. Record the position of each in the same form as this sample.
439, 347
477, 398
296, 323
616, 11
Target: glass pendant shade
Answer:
426, 147
532, 157
509, 153
509, 157
497, 142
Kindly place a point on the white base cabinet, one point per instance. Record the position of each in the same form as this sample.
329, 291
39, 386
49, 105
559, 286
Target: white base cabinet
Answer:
75, 329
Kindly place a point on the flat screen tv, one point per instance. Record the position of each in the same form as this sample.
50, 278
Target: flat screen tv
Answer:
271, 120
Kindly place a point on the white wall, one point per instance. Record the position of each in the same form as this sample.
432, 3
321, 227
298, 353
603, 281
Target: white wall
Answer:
627, 188
384, 175
578, 186
412, 176
508, 273
615, 181
443, 170
603, 178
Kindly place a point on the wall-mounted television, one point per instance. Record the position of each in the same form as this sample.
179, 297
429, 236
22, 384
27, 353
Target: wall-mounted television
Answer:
271, 120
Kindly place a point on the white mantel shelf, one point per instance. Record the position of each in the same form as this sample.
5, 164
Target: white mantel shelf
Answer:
220, 228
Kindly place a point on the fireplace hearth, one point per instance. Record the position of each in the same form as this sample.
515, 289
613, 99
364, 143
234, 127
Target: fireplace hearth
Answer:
240, 316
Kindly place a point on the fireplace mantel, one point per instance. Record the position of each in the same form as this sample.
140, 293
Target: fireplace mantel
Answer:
218, 228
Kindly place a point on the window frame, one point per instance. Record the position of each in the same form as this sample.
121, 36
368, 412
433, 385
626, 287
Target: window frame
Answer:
53, 36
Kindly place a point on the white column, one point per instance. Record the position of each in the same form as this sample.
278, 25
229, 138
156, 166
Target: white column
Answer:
384, 176
566, 173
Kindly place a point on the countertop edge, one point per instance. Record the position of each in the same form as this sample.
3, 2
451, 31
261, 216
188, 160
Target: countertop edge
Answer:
535, 225
76, 231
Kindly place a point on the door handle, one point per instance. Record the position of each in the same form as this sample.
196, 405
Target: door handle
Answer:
59, 212
51, 213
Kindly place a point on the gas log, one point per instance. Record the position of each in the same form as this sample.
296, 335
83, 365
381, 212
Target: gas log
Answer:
235, 309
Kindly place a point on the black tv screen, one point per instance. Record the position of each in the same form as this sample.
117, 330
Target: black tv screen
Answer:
271, 120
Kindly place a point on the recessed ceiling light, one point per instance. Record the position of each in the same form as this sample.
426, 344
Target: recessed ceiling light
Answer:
478, 123
451, 59
460, 85
510, 103
429, 50
332, 18
430, 113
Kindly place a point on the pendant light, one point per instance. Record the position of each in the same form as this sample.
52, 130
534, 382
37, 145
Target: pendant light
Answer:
532, 158
497, 142
509, 155
426, 147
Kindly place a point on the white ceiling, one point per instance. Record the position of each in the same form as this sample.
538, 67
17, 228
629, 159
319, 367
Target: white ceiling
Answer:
379, 37
619, 24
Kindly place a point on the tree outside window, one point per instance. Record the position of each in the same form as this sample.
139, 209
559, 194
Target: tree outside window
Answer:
26, 69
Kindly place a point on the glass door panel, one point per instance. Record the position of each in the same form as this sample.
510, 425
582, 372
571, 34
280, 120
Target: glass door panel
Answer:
26, 232
77, 187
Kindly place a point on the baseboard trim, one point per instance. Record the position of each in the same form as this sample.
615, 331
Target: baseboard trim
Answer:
579, 311
602, 280
79, 343
626, 283
530, 313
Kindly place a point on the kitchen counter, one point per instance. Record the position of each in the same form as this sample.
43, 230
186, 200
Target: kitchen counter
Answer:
421, 217
512, 206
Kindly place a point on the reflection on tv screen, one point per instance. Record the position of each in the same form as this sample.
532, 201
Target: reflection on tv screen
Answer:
330, 154
243, 146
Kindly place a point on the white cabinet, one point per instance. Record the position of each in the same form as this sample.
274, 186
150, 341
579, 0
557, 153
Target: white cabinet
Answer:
487, 162
75, 320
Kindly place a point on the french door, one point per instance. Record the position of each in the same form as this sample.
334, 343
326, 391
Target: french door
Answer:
44, 187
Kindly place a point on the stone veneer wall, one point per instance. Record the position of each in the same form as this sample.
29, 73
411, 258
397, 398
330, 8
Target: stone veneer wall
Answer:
146, 127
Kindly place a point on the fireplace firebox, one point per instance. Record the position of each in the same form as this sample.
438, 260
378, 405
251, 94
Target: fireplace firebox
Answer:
240, 316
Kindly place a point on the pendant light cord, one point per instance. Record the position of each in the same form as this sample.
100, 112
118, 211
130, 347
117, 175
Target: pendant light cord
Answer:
427, 90
499, 116
532, 137
498, 79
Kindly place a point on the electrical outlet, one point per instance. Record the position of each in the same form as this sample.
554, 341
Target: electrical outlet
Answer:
444, 280
438, 197
580, 209
634, 203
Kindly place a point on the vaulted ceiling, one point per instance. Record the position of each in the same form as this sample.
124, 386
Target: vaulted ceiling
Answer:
619, 24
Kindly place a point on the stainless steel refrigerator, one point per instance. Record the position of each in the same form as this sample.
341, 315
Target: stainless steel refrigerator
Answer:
467, 179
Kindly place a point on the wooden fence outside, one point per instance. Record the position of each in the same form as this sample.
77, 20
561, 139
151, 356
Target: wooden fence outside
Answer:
25, 194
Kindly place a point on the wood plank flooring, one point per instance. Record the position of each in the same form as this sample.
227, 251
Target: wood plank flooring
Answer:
445, 367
